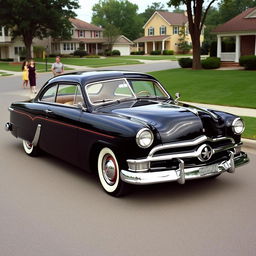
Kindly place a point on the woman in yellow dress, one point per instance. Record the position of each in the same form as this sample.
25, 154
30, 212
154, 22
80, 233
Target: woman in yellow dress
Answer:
25, 74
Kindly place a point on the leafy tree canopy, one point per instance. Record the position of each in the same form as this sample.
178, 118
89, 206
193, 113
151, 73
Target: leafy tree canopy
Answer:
37, 18
121, 14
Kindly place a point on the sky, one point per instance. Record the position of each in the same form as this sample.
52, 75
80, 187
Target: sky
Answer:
85, 11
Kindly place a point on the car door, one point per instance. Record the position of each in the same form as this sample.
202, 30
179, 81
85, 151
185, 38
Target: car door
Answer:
59, 133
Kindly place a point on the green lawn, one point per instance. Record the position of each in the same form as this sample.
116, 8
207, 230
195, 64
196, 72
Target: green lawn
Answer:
250, 127
221, 87
94, 62
5, 74
16, 67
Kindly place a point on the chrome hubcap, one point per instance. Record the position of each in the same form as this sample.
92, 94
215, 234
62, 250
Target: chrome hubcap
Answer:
109, 169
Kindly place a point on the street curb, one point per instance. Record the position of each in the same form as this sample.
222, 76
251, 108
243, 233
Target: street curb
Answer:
250, 144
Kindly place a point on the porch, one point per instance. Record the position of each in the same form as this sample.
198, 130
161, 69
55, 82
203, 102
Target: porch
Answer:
242, 45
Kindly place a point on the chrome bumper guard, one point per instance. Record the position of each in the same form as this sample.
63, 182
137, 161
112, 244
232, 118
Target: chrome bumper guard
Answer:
182, 174
140, 171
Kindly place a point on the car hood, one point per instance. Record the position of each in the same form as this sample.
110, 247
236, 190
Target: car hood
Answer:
174, 122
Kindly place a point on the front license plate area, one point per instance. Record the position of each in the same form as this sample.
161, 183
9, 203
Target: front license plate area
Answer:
209, 169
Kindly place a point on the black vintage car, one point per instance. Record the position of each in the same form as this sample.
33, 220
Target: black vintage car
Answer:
128, 129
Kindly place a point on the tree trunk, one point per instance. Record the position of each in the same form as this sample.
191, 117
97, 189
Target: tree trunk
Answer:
27, 39
196, 52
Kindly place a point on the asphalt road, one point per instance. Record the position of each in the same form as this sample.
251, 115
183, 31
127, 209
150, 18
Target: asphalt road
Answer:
50, 208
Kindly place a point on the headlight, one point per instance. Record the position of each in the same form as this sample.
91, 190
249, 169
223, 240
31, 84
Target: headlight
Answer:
144, 138
238, 126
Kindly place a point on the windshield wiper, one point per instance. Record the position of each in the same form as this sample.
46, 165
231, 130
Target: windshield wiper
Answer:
103, 100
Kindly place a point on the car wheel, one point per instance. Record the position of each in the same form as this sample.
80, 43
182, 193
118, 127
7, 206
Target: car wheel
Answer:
30, 149
109, 173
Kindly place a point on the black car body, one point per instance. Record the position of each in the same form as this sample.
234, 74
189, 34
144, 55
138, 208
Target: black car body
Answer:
128, 128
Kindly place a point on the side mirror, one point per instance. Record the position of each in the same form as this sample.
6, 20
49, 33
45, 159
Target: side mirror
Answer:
81, 106
177, 96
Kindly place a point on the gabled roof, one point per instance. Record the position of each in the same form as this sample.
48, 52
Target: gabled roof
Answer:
171, 18
80, 24
123, 40
244, 22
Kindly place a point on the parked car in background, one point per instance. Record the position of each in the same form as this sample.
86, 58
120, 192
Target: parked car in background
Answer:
125, 127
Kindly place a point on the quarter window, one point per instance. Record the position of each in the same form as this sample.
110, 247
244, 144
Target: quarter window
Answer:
50, 94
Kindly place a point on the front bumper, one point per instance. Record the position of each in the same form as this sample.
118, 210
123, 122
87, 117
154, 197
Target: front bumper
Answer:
182, 174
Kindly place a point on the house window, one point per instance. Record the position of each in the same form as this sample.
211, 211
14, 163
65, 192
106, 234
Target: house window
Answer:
162, 30
175, 30
97, 34
80, 33
18, 50
151, 31
186, 31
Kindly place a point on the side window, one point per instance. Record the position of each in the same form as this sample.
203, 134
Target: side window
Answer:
50, 94
68, 94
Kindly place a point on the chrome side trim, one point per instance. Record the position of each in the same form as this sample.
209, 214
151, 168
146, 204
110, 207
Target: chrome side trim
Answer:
11, 109
37, 135
182, 174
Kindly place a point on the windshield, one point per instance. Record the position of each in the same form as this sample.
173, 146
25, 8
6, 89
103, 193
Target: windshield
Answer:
122, 89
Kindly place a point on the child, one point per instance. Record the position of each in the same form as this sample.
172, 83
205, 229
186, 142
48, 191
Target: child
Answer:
25, 74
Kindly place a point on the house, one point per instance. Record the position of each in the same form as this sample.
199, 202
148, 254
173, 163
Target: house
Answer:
242, 31
84, 36
162, 32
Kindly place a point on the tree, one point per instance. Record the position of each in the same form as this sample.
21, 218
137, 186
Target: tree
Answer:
196, 12
121, 14
183, 44
37, 18
149, 11
231, 8
111, 33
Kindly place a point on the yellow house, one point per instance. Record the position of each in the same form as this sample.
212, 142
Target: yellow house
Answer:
162, 32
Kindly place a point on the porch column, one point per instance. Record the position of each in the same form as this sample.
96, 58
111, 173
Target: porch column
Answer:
237, 48
96, 50
154, 45
218, 46
137, 46
163, 45
146, 48
3, 34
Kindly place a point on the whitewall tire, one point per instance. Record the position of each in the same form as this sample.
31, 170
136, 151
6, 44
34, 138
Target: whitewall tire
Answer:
109, 173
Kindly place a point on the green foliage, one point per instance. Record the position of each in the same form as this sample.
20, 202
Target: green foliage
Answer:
185, 62
138, 53
37, 18
111, 33
38, 51
183, 45
211, 63
213, 49
168, 52
81, 53
157, 52
248, 61
121, 14
115, 53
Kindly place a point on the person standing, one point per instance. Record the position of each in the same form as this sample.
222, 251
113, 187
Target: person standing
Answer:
57, 67
25, 74
32, 76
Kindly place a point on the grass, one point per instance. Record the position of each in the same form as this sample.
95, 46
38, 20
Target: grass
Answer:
94, 62
16, 67
4, 74
250, 128
221, 87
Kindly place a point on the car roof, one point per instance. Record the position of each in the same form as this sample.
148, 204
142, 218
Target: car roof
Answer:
85, 77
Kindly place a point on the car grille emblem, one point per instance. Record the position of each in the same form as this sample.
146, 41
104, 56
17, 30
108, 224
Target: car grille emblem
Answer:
205, 153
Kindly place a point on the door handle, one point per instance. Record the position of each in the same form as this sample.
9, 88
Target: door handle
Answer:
48, 111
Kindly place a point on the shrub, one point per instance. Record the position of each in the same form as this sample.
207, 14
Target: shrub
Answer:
138, 53
107, 52
185, 62
157, 52
116, 53
211, 63
7, 59
168, 52
53, 55
80, 53
248, 61
204, 50
92, 56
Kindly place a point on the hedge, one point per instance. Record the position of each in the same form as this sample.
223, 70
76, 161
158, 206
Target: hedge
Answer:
185, 62
168, 52
211, 63
248, 61
157, 52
